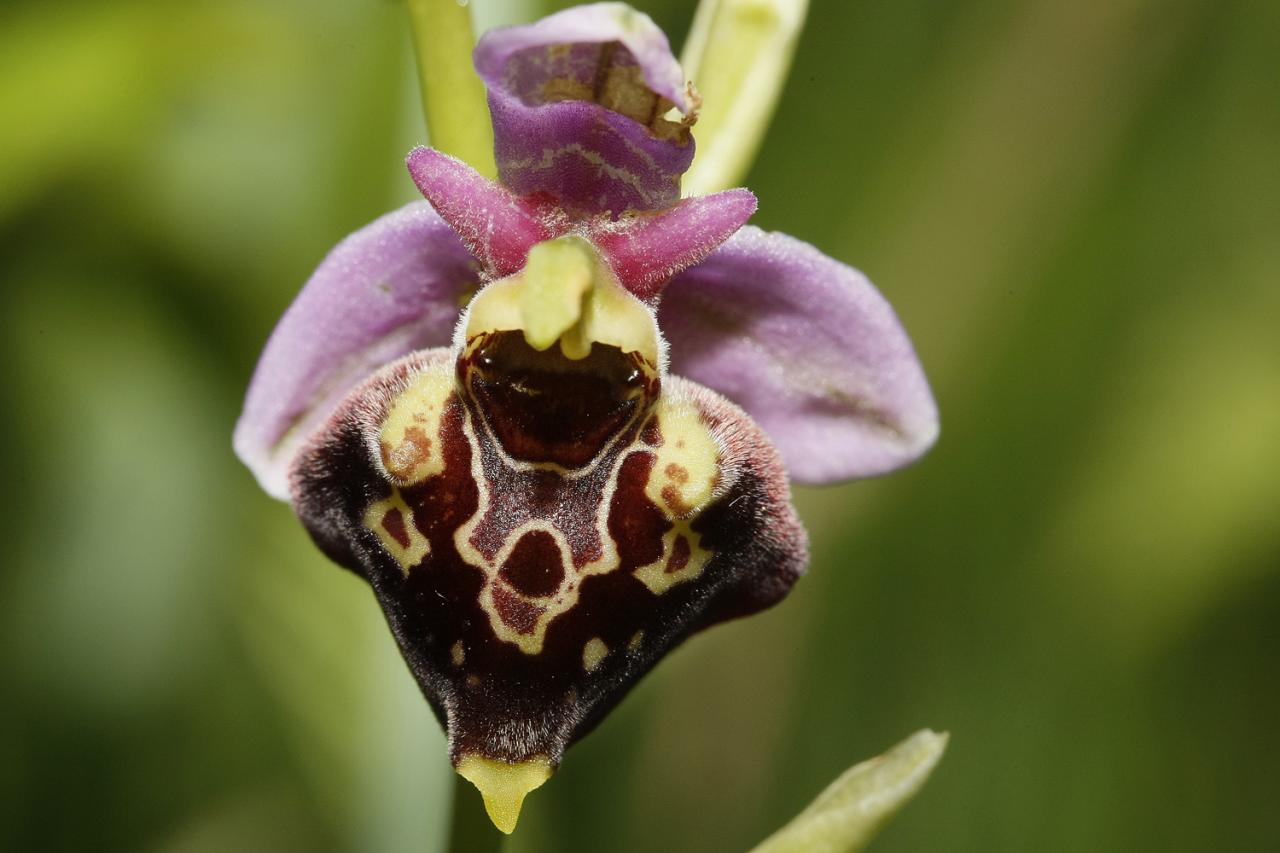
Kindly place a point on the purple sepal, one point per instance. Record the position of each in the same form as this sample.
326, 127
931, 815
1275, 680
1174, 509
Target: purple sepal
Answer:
390, 288
809, 348
645, 252
578, 101
496, 226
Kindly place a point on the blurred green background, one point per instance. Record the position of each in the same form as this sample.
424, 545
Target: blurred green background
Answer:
1075, 207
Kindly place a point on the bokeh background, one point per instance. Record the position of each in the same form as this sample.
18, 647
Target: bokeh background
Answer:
1075, 207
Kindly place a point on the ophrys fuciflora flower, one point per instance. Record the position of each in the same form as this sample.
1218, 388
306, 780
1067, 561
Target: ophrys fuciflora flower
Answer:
552, 488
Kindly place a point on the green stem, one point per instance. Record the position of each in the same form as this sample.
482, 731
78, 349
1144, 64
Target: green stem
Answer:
470, 830
738, 55
453, 98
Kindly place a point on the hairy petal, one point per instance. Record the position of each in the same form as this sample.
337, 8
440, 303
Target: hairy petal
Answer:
809, 348
581, 105
497, 226
648, 250
390, 288
528, 600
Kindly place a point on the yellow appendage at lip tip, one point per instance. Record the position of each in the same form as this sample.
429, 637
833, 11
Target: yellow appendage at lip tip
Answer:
504, 786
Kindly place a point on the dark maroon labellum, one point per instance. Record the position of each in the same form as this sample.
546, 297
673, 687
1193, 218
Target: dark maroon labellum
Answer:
541, 530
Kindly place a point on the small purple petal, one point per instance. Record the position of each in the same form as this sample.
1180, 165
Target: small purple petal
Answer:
497, 227
647, 251
390, 288
809, 348
579, 100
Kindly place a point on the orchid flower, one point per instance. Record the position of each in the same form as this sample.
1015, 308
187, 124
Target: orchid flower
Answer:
551, 419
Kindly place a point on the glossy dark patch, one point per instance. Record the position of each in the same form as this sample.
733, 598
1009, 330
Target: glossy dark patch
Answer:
545, 407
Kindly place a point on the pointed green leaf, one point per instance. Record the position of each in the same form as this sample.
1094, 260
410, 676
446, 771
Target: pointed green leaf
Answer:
848, 814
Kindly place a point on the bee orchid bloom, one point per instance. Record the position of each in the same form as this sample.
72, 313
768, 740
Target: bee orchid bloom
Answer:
552, 488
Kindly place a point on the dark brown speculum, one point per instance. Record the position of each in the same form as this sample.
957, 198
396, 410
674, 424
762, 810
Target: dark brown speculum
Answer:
544, 407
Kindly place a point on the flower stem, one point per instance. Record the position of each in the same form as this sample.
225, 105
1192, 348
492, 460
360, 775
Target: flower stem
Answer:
470, 830
453, 98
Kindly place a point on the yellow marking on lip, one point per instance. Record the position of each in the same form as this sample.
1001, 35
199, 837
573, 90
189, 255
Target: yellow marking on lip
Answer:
409, 438
655, 575
686, 467
633, 645
375, 519
504, 785
458, 654
593, 653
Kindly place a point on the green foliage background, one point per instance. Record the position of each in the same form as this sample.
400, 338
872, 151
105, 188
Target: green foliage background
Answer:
1075, 207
